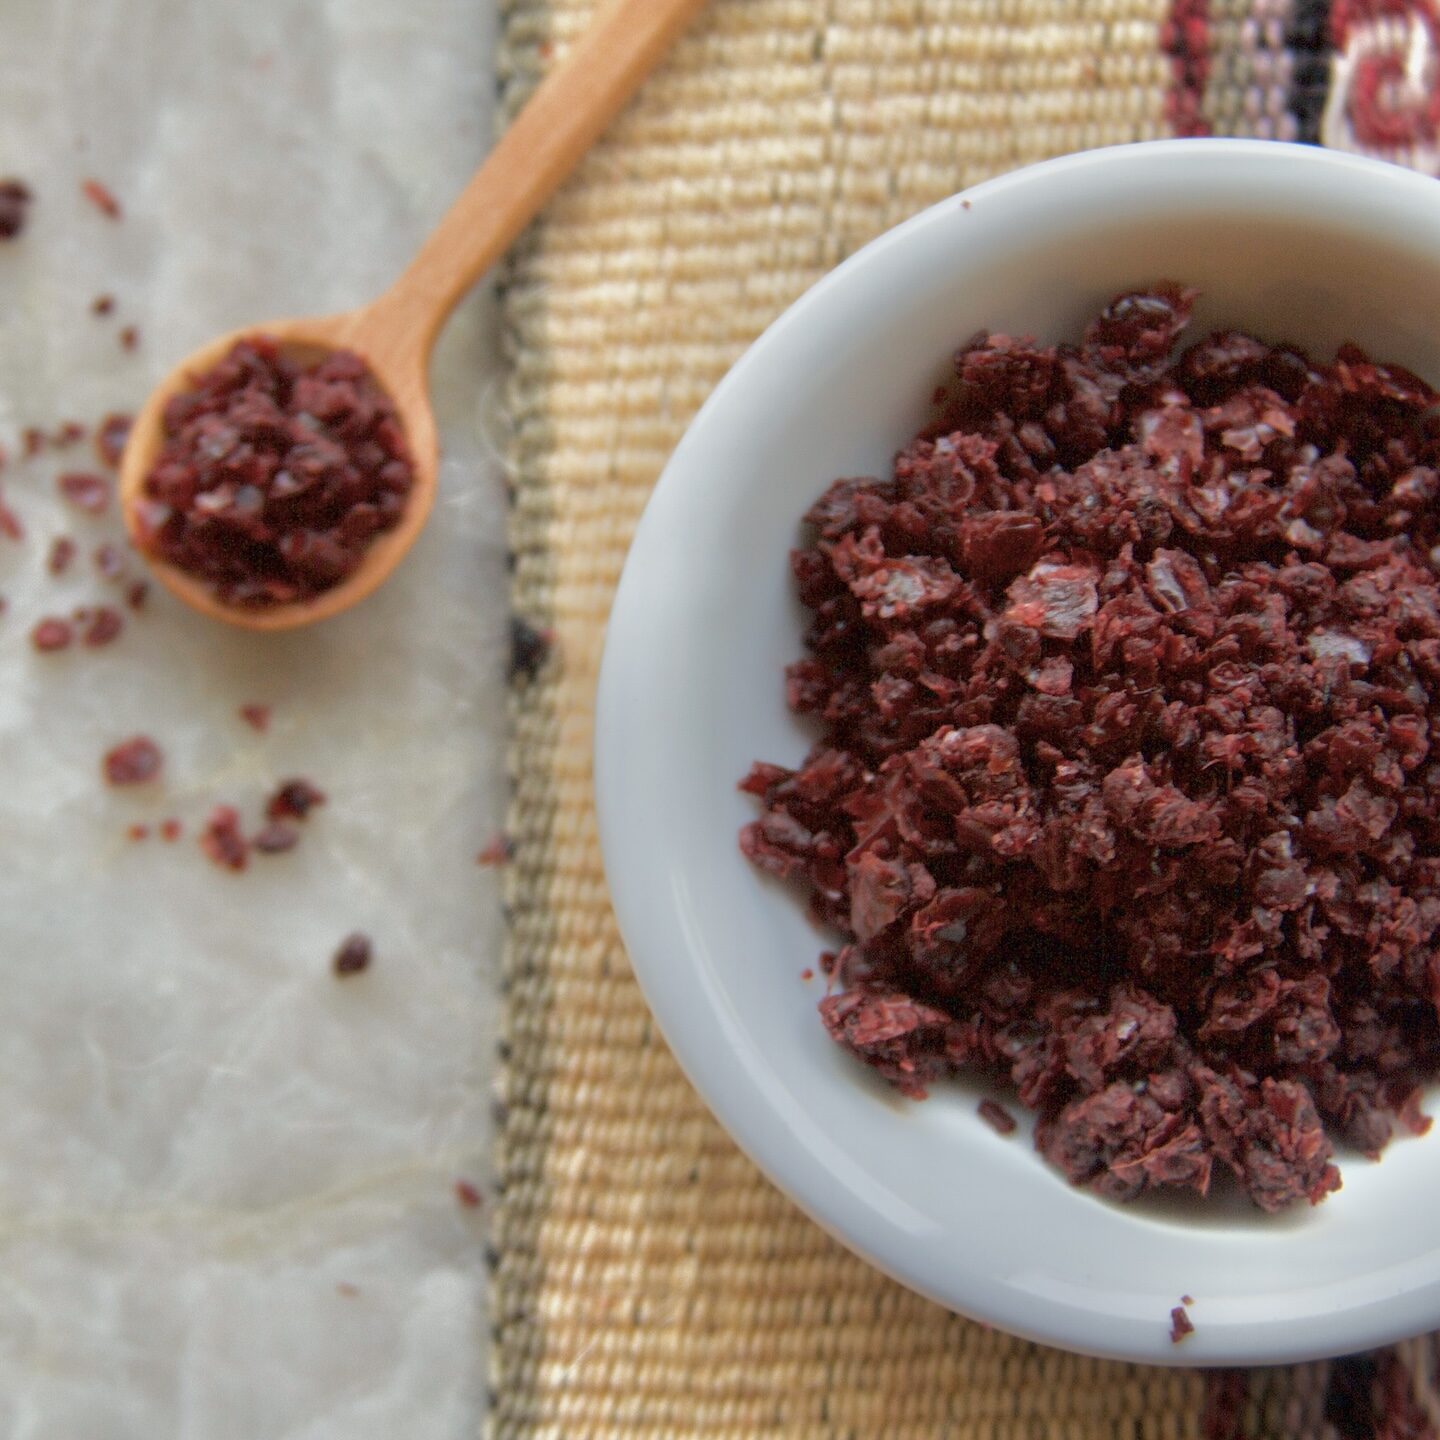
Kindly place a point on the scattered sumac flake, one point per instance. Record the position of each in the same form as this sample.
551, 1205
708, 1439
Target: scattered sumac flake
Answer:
51, 634
170, 830
32, 441
1126, 789
136, 594
275, 838
807, 973
15, 200
101, 198
1180, 1325
67, 433
10, 524
110, 437
498, 850
62, 552
275, 475
1187, 1299
353, 956
222, 840
137, 832
529, 648
997, 1117
135, 761
344, 1287
468, 1195
102, 305
109, 562
85, 491
129, 337
103, 625
257, 717
293, 800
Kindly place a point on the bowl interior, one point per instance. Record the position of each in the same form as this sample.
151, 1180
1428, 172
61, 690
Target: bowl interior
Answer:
1293, 245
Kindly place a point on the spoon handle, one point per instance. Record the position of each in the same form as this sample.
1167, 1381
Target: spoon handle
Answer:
560, 122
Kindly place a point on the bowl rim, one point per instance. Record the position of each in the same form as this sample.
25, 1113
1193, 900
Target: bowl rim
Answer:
654, 933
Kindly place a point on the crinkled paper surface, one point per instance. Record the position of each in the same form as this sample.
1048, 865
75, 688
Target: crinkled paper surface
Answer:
227, 1203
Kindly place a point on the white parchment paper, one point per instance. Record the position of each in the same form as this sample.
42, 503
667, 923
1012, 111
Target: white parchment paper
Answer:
227, 1203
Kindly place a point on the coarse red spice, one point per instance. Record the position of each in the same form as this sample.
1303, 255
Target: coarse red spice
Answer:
102, 626
1181, 1325
222, 839
498, 850
275, 476
101, 197
102, 305
468, 1195
997, 1117
51, 633
129, 337
353, 956
62, 552
135, 761
170, 830
1128, 683
275, 838
32, 441
109, 562
136, 593
67, 433
15, 200
11, 526
85, 491
137, 832
293, 800
257, 717
110, 437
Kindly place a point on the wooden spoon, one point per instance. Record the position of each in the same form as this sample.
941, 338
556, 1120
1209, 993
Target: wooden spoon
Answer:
395, 333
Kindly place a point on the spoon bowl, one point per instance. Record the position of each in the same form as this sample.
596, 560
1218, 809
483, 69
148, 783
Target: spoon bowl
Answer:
399, 370
394, 334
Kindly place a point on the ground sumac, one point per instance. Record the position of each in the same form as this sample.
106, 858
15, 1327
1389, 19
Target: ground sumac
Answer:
275, 475
1127, 791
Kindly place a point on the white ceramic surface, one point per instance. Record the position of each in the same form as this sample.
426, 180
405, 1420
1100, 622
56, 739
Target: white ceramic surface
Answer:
1296, 244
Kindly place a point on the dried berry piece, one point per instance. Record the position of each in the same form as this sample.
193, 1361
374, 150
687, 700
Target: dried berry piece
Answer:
51, 634
102, 627
133, 762
293, 800
257, 717
353, 956
15, 200
85, 491
110, 437
62, 552
275, 838
101, 198
529, 648
222, 841
997, 1117
498, 850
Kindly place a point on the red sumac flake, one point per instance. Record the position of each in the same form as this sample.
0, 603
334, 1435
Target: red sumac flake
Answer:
11, 526
275, 475
353, 956
1126, 680
293, 800
222, 840
109, 562
136, 593
129, 337
1181, 1325
275, 838
102, 626
102, 305
62, 552
101, 198
997, 1117
498, 850
257, 717
52, 633
84, 491
14, 207
133, 762
170, 830
110, 437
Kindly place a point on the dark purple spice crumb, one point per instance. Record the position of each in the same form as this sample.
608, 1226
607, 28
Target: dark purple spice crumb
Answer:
110, 437
293, 800
529, 648
1180, 1325
275, 838
997, 1117
85, 491
103, 626
353, 956
62, 552
51, 634
222, 840
135, 595
15, 200
133, 762
109, 562
102, 305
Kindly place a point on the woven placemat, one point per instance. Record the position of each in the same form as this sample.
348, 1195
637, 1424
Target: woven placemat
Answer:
647, 1280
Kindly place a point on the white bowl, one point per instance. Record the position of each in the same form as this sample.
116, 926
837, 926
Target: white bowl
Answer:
1293, 243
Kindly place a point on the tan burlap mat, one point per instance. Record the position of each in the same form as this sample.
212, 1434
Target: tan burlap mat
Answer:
648, 1281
